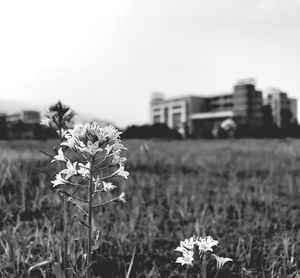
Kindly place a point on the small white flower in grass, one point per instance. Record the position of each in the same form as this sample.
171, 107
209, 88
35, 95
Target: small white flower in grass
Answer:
205, 244
59, 180
71, 170
60, 156
108, 186
187, 244
187, 258
221, 261
121, 198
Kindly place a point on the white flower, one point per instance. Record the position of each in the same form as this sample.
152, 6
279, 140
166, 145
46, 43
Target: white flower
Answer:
120, 172
98, 183
205, 244
109, 132
187, 258
70, 171
92, 148
73, 143
187, 244
84, 170
121, 198
108, 149
93, 138
117, 159
60, 156
221, 261
58, 180
107, 186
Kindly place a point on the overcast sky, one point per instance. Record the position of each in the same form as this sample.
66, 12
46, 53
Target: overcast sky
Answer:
107, 57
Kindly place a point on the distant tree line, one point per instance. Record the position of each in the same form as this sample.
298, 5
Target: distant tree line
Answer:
158, 130
289, 128
21, 130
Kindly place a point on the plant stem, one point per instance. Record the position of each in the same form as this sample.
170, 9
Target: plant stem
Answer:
90, 212
65, 215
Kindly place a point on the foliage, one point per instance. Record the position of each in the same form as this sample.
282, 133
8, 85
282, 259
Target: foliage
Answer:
151, 131
245, 193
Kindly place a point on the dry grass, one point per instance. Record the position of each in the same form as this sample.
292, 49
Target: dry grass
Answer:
245, 193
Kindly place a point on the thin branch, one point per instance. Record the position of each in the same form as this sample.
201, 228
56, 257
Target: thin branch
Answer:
97, 191
74, 197
106, 177
101, 168
101, 161
106, 203
51, 156
76, 205
81, 221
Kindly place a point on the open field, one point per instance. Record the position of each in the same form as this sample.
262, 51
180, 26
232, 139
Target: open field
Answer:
245, 193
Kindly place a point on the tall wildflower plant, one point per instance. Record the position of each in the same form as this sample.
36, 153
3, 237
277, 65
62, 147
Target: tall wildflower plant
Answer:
93, 160
198, 252
59, 117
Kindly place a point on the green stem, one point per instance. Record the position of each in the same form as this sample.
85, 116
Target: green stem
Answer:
90, 212
65, 215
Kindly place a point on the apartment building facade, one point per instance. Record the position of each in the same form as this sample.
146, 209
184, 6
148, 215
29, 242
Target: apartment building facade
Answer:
197, 115
22, 125
281, 103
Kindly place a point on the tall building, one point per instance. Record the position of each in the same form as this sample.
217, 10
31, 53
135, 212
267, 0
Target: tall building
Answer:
293, 106
199, 115
280, 104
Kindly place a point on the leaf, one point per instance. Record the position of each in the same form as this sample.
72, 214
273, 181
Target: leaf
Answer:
38, 265
131, 263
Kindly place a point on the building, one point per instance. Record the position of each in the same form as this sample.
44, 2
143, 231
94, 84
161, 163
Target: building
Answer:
200, 115
22, 125
280, 104
26, 116
293, 106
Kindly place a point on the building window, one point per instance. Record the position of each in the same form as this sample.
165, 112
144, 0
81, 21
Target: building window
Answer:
177, 121
166, 114
156, 119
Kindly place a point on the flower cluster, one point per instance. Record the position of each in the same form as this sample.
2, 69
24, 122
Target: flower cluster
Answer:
187, 247
98, 148
201, 245
92, 158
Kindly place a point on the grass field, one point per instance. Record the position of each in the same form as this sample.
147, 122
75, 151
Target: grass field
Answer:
245, 193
